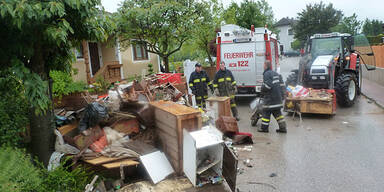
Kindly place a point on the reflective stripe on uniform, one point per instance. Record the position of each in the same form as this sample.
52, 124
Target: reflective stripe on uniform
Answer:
228, 79
205, 96
191, 84
220, 80
273, 106
264, 123
233, 105
268, 87
203, 79
265, 119
282, 84
215, 85
275, 81
196, 80
209, 83
280, 117
232, 96
199, 97
234, 83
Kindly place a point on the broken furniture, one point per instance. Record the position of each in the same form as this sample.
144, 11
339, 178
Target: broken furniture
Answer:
204, 152
220, 105
170, 120
227, 125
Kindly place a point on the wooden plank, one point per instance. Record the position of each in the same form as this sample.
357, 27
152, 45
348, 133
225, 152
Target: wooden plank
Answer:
173, 108
219, 99
166, 128
128, 162
102, 160
168, 141
67, 128
316, 107
230, 168
165, 117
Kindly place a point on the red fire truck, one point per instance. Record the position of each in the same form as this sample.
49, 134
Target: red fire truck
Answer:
244, 53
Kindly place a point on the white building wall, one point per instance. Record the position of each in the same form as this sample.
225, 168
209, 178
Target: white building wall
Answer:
284, 38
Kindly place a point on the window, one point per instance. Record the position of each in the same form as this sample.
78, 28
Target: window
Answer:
290, 32
140, 52
79, 52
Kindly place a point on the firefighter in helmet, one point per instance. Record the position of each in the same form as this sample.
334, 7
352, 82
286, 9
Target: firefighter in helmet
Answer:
226, 85
273, 91
199, 82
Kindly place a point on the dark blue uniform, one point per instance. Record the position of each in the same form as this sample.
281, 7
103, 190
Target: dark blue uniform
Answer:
273, 91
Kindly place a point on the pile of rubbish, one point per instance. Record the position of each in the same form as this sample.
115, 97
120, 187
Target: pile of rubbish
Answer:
300, 92
135, 126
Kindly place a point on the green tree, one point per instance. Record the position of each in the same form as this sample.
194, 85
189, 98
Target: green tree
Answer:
162, 26
316, 18
205, 30
348, 25
250, 12
297, 44
373, 27
38, 36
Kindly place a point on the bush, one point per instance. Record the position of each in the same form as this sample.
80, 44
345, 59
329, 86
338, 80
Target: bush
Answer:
63, 84
375, 40
13, 110
18, 174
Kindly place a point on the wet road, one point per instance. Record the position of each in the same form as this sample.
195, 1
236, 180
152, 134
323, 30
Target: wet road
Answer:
344, 152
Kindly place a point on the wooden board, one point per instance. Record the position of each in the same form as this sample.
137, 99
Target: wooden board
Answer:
174, 108
317, 107
102, 160
230, 162
127, 162
67, 128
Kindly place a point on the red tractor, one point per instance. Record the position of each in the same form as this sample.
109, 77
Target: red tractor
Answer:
333, 62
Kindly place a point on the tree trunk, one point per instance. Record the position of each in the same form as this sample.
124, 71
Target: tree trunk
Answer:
209, 57
42, 137
166, 63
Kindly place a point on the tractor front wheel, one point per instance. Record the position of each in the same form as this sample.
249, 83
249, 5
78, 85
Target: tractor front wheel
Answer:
346, 89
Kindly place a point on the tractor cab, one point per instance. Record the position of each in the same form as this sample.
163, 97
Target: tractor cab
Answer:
326, 54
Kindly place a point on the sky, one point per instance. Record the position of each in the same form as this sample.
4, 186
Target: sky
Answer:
372, 9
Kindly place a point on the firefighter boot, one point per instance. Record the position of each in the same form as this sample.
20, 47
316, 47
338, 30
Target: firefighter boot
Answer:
264, 125
235, 113
282, 127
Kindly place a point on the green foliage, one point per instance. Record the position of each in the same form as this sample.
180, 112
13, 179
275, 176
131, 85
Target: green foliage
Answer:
316, 18
64, 179
13, 110
376, 40
101, 85
373, 27
348, 25
63, 84
164, 26
150, 69
38, 36
19, 174
296, 44
176, 66
258, 13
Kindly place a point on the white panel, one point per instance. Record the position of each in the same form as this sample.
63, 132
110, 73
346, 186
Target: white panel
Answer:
240, 59
205, 138
189, 157
157, 166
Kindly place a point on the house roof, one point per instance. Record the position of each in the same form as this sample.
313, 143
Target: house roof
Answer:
285, 21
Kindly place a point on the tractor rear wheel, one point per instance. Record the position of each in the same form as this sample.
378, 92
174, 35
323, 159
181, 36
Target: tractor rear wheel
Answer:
346, 89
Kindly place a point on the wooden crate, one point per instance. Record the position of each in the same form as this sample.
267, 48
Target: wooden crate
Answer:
221, 106
170, 119
316, 106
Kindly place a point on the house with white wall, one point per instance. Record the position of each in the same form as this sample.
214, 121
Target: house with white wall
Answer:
286, 35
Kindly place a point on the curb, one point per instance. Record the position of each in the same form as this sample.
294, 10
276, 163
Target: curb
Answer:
373, 100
